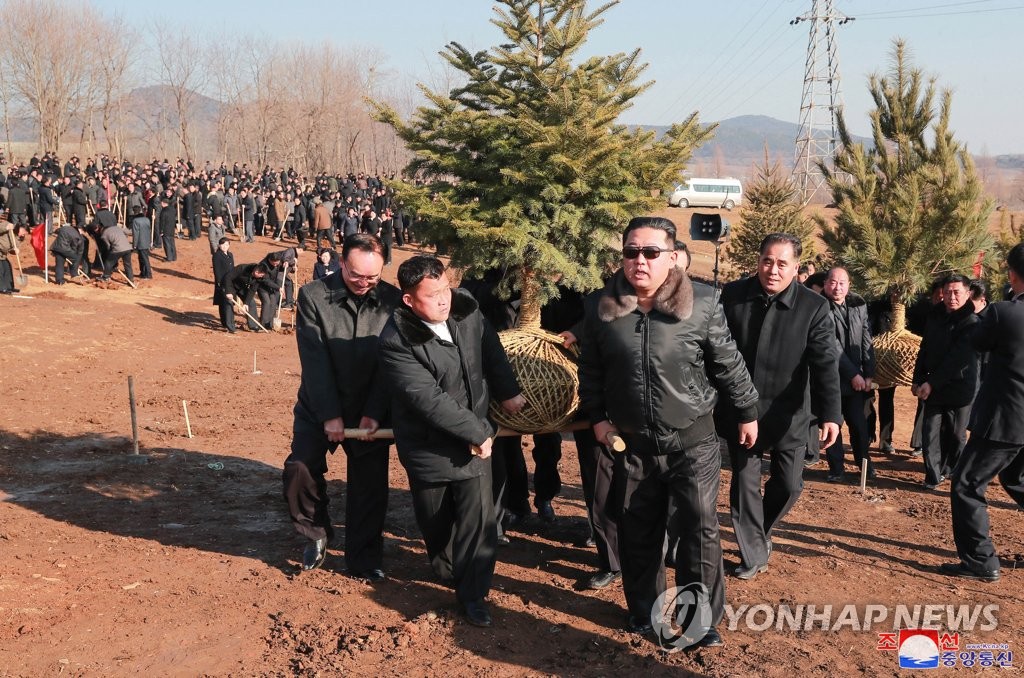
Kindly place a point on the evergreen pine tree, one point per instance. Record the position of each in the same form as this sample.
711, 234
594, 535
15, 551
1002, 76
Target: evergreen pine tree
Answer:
770, 206
524, 166
911, 208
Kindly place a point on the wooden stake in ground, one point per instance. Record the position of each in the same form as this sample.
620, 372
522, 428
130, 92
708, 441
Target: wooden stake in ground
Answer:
135, 420
863, 476
254, 370
188, 424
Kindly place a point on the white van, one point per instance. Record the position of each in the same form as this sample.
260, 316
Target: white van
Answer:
695, 192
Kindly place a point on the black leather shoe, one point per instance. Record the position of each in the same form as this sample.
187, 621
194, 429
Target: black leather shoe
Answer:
748, 573
603, 580
961, 570
711, 639
834, 478
640, 625
546, 512
477, 613
515, 519
374, 575
313, 556
503, 540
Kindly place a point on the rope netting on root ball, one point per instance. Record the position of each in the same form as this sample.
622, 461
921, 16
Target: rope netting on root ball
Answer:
545, 370
896, 352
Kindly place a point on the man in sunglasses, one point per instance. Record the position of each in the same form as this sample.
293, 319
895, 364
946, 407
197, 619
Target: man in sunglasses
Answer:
788, 340
652, 342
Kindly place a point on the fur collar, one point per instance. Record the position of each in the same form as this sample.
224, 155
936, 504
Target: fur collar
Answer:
416, 333
674, 297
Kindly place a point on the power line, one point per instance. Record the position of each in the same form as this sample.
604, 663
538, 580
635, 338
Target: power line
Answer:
696, 86
923, 16
923, 8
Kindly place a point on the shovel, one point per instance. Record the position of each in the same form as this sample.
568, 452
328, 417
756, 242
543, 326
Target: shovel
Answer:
276, 323
22, 278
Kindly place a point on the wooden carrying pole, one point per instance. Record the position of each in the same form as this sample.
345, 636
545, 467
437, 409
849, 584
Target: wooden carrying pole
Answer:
135, 420
615, 442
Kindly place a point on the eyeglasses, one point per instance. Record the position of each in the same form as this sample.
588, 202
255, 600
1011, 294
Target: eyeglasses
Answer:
649, 252
364, 278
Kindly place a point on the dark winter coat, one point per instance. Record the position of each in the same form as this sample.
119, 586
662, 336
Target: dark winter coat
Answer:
142, 233
796, 343
996, 414
69, 242
440, 392
337, 339
853, 335
947, 360
223, 263
649, 371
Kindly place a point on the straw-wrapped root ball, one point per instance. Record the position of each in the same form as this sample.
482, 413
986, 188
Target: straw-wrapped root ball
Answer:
547, 376
895, 355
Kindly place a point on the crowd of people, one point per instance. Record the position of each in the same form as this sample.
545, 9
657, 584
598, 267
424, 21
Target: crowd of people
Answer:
123, 208
669, 365
773, 363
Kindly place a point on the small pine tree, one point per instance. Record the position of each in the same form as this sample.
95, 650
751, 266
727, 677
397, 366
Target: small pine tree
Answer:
911, 208
770, 206
524, 166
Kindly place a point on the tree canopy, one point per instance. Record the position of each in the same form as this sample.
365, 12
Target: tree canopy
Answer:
525, 164
911, 208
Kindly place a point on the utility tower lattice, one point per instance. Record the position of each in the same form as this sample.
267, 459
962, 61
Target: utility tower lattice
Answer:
821, 99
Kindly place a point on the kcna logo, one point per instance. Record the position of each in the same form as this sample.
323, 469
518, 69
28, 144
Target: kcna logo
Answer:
930, 649
681, 616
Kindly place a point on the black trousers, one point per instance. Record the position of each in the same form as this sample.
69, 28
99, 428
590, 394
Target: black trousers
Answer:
60, 261
597, 474
917, 435
366, 494
456, 519
945, 435
170, 248
145, 270
853, 414
547, 483
982, 460
6, 274
505, 458
195, 226
755, 515
690, 477
110, 264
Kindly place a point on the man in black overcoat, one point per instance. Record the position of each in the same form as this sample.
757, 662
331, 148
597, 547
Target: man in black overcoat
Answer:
996, 447
787, 337
856, 369
338, 321
443, 362
946, 379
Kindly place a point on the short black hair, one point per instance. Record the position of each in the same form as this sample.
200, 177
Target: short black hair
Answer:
222, 241
1015, 259
803, 269
956, 278
978, 288
659, 223
937, 284
363, 242
681, 247
816, 280
782, 239
412, 271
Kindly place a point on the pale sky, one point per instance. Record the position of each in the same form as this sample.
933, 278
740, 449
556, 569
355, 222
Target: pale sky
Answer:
723, 59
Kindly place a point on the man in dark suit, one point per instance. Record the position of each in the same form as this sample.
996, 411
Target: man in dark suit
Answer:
996, 447
786, 335
339, 320
856, 369
443, 361
946, 379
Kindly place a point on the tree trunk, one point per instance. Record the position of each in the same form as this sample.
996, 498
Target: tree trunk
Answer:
529, 301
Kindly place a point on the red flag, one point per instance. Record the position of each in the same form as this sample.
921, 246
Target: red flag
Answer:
39, 243
977, 264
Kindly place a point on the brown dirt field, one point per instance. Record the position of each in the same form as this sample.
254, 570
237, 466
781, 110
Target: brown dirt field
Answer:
187, 565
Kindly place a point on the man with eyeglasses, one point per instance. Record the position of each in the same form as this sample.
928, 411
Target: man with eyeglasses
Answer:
656, 357
788, 340
338, 322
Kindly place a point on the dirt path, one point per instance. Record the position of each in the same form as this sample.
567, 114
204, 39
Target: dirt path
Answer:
187, 564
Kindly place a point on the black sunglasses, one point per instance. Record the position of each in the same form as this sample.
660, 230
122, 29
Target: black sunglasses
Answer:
649, 252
